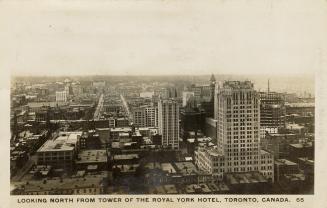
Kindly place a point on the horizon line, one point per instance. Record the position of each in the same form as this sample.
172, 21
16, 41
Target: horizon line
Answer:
163, 75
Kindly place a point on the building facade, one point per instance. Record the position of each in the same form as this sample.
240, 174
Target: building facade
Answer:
60, 152
272, 110
210, 160
237, 112
61, 96
186, 97
238, 116
168, 123
145, 116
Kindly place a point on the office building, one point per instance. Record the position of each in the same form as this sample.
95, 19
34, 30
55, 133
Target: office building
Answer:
272, 110
237, 113
210, 160
238, 122
145, 116
61, 96
192, 120
60, 153
168, 123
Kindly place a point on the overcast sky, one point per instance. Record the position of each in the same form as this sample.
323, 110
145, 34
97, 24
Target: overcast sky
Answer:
162, 37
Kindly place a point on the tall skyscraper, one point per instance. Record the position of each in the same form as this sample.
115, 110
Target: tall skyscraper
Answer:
168, 114
237, 112
212, 85
209, 106
238, 119
272, 110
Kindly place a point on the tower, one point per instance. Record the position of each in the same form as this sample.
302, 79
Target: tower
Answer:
212, 86
238, 115
212, 79
168, 122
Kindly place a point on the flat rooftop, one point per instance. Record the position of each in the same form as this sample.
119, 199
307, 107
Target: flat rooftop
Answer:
168, 167
301, 105
306, 160
126, 157
128, 168
201, 139
152, 165
301, 145
284, 162
295, 177
214, 151
88, 181
121, 129
186, 168
66, 141
92, 156
294, 126
245, 178
123, 134
45, 104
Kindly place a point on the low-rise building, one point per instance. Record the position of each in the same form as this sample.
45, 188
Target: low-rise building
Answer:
87, 185
283, 166
210, 160
60, 152
114, 132
246, 182
121, 122
91, 160
278, 144
305, 149
267, 164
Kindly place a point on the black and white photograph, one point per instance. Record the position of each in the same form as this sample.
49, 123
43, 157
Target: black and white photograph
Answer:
211, 102
162, 135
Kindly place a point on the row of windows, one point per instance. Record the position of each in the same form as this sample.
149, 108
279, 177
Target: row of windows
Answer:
241, 115
241, 138
268, 162
242, 149
242, 169
243, 153
268, 168
242, 102
242, 145
242, 120
243, 111
242, 107
249, 162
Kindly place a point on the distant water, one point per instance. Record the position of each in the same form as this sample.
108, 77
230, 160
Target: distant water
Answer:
299, 84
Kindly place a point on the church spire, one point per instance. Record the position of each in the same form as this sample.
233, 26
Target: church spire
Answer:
212, 78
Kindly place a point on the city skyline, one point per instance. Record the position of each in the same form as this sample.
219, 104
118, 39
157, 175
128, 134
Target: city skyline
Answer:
169, 136
281, 83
